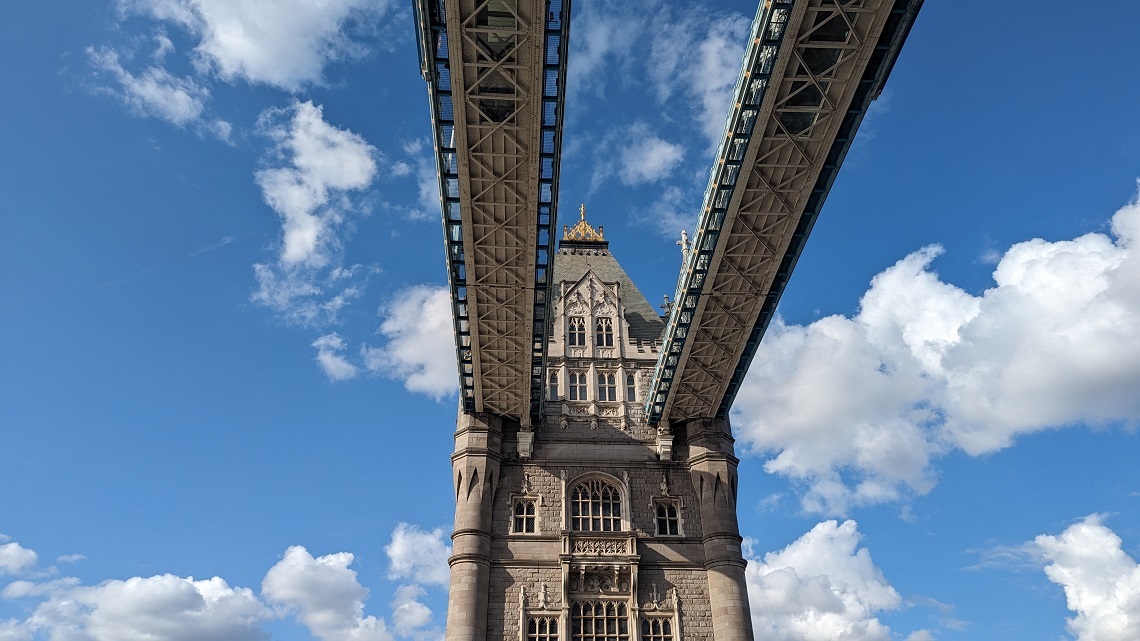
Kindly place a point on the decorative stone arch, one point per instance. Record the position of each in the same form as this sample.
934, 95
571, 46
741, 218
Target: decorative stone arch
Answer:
596, 481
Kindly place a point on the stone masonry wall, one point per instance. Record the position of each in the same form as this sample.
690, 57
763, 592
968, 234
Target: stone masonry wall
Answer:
692, 591
644, 481
503, 608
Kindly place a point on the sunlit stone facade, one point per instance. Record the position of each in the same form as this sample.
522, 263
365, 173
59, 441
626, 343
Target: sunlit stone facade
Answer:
593, 526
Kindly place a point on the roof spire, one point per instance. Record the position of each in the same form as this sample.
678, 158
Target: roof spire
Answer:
582, 231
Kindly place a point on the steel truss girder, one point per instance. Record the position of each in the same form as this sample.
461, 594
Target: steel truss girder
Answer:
810, 72
496, 73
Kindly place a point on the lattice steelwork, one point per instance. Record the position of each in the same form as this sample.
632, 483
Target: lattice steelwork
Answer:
496, 71
809, 75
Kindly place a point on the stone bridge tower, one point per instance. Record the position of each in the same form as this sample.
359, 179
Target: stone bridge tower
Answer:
593, 526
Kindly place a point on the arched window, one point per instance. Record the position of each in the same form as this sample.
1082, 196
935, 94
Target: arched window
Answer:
630, 387
599, 621
544, 629
577, 386
576, 332
595, 506
604, 333
607, 387
656, 629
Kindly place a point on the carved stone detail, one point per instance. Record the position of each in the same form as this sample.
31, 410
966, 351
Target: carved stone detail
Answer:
599, 546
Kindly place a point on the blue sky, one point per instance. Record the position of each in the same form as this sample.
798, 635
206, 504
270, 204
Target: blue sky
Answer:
227, 385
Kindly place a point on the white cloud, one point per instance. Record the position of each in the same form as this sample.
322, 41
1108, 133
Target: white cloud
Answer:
154, 92
284, 43
604, 33
419, 555
14, 558
865, 403
325, 595
409, 615
820, 588
698, 55
321, 593
1101, 582
674, 210
330, 357
320, 165
646, 158
13, 630
316, 170
138, 609
304, 295
420, 348
427, 183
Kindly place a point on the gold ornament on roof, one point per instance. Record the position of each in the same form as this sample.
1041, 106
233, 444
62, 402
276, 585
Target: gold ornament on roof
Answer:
582, 231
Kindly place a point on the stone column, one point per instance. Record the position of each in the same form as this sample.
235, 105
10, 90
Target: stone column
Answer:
712, 465
475, 474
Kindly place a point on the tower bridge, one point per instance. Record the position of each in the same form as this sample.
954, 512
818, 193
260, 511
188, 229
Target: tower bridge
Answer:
594, 471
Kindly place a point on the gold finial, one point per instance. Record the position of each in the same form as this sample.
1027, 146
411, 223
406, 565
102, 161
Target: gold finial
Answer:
582, 231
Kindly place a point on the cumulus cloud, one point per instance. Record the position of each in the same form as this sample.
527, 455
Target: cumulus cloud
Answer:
420, 347
324, 594
159, 607
330, 357
820, 587
284, 43
1101, 582
866, 403
409, 615
419, 555
15, 558
317, 165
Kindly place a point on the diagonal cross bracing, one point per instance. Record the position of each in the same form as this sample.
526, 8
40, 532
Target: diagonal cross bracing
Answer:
810, 72
496, 73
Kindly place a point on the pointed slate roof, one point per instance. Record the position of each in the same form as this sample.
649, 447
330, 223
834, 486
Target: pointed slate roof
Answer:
585, 249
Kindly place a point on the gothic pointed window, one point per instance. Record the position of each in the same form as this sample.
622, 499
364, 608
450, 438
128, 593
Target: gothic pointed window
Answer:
552, 393
656, 629
607, 387
524, 517
576, 332
595, 506
668, 518
604, 333
630, 387
599, 621
543, 628
577, 386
